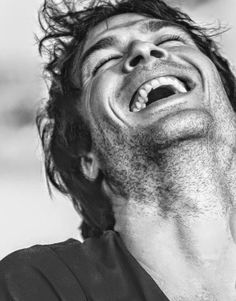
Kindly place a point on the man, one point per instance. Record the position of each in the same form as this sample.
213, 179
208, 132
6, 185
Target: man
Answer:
139, 131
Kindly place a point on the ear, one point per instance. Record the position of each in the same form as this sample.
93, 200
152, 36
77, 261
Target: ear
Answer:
90, 166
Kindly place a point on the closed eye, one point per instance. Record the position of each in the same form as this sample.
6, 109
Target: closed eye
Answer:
171, 38
103, 62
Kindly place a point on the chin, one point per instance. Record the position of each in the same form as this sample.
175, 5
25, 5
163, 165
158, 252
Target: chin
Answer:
179, 126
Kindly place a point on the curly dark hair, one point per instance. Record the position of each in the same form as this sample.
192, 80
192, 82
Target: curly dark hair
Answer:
64, 133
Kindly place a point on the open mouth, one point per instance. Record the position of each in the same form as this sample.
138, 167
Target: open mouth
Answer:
157, 89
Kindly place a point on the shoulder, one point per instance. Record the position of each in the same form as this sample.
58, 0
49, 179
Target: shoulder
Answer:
98, 269
52, 257
34, 257
39, 273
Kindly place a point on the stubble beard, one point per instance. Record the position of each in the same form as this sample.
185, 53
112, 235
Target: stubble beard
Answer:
153, 166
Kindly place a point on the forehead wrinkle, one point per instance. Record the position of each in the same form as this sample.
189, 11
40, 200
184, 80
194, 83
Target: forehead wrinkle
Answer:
126, 24
111, 27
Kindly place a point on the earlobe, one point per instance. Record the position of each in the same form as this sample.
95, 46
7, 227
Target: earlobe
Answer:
90, 166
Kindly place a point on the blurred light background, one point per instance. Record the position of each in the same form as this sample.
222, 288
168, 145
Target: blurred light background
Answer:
27, 215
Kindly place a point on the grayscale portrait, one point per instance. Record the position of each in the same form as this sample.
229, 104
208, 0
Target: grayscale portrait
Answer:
118, 162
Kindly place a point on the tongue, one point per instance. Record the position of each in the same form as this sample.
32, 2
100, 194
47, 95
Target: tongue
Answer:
159, 93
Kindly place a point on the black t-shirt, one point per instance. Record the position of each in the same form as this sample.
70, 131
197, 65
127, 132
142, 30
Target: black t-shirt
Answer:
100, 269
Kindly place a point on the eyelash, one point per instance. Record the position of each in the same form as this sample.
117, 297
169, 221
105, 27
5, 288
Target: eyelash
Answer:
103, 62
171, 38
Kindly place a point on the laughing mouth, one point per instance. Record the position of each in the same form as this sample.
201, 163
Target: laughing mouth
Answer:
155, 90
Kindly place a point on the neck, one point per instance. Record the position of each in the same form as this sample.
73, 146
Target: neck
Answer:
179, 230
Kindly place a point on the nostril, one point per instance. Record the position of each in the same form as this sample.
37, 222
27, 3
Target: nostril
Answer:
157, 53
134, 62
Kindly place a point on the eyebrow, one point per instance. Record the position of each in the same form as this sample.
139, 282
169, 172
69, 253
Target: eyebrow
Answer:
146, 26
155, 25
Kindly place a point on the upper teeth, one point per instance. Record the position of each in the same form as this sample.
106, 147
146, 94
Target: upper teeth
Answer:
141, 97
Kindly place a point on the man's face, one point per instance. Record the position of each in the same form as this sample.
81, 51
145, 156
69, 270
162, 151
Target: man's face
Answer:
146, 86
134, 57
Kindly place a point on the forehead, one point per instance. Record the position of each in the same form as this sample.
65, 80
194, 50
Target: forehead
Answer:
118, 22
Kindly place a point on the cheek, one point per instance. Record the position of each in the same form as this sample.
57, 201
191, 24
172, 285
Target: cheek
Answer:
102, 94
203, 65
193, 56
98, 100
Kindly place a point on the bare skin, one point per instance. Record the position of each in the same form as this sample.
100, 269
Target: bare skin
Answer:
169, 170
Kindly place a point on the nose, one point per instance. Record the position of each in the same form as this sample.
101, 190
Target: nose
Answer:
141, 52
